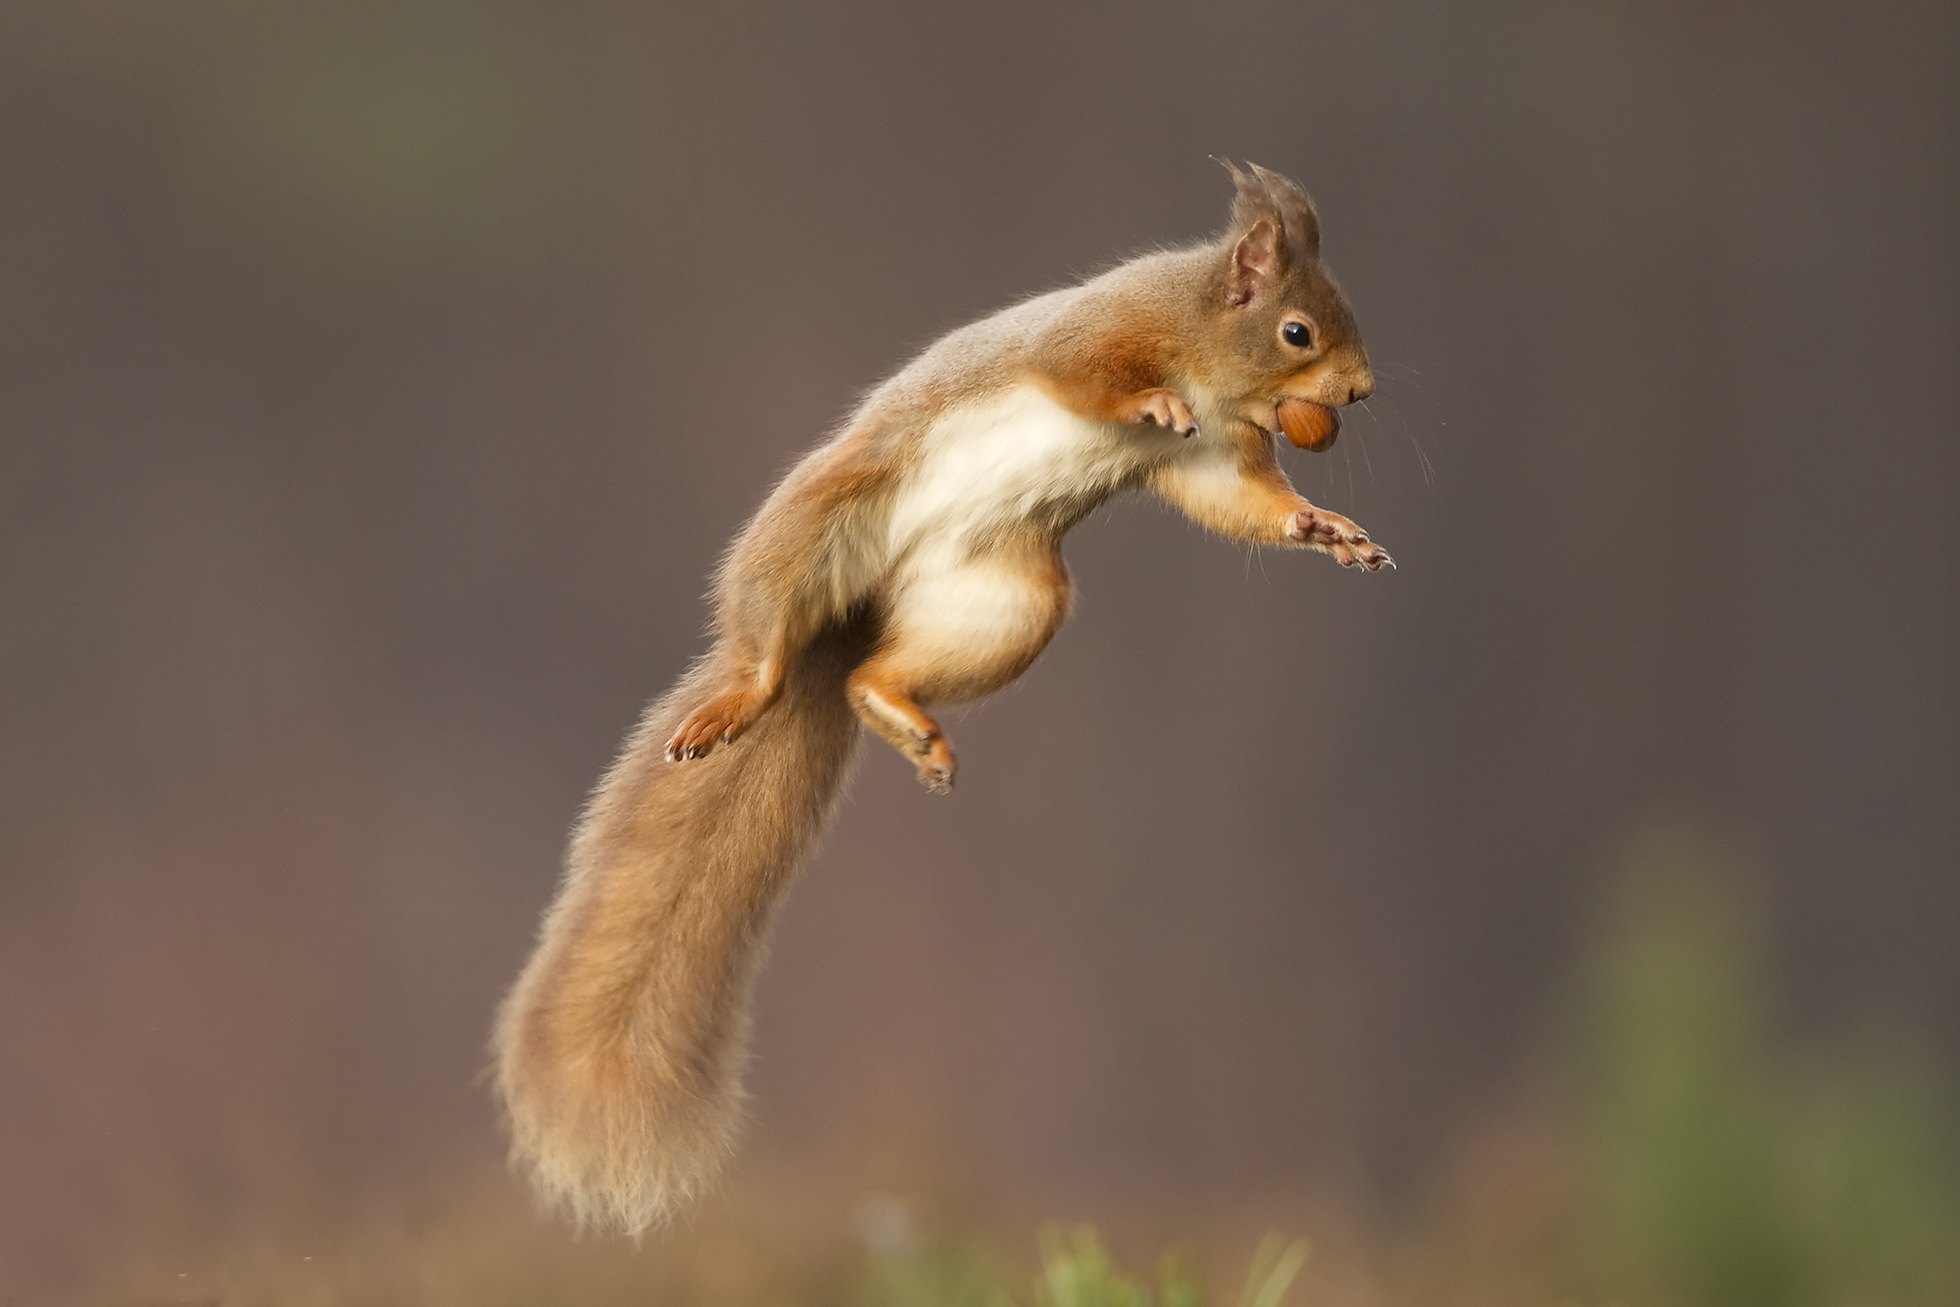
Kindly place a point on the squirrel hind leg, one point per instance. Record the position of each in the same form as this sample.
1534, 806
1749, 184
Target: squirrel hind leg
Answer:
954, 635
891, 711
724, 715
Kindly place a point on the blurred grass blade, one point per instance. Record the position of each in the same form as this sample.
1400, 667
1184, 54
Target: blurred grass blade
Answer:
1274, 1268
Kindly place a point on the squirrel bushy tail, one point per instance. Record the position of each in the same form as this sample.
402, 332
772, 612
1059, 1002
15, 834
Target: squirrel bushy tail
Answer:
620, 1050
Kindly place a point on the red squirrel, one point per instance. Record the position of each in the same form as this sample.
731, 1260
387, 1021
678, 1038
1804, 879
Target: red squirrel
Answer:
914, 559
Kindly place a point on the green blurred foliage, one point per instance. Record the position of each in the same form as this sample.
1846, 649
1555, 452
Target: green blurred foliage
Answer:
1075, 1271
1726, 1175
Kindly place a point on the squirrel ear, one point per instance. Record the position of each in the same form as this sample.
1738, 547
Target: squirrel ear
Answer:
1259, 236
1265, 199
1258, 258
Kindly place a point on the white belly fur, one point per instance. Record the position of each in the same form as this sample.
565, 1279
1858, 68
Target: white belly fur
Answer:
998, 461
986, 466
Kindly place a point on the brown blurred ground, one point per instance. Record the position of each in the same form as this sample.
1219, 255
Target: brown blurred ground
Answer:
378, 387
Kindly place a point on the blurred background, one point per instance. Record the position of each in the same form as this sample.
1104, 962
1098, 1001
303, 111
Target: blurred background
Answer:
1571, 911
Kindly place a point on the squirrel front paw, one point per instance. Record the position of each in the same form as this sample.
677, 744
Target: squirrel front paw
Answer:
1331, 533
1166, 408
936, 766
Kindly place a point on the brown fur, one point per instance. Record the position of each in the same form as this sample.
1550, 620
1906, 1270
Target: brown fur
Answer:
619, 1050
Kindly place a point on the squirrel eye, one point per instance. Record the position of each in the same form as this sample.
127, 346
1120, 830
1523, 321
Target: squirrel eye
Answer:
1296, 335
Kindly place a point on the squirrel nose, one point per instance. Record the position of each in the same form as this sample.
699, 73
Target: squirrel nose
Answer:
1360, 386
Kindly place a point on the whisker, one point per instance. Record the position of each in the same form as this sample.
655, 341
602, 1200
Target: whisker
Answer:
1422, 455
1366, 457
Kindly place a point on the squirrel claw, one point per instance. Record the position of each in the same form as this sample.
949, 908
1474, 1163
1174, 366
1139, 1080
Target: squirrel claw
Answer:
1333, 534
936, 766
1167, 408
717, 721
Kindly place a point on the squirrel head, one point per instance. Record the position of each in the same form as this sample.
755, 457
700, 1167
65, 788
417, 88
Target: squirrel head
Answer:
1288, 333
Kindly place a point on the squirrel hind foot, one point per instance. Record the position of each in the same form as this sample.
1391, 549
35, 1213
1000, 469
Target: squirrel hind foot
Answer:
718, 721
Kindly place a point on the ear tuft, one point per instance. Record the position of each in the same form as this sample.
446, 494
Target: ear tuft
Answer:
1250, 201
1262, 195
1295, 209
